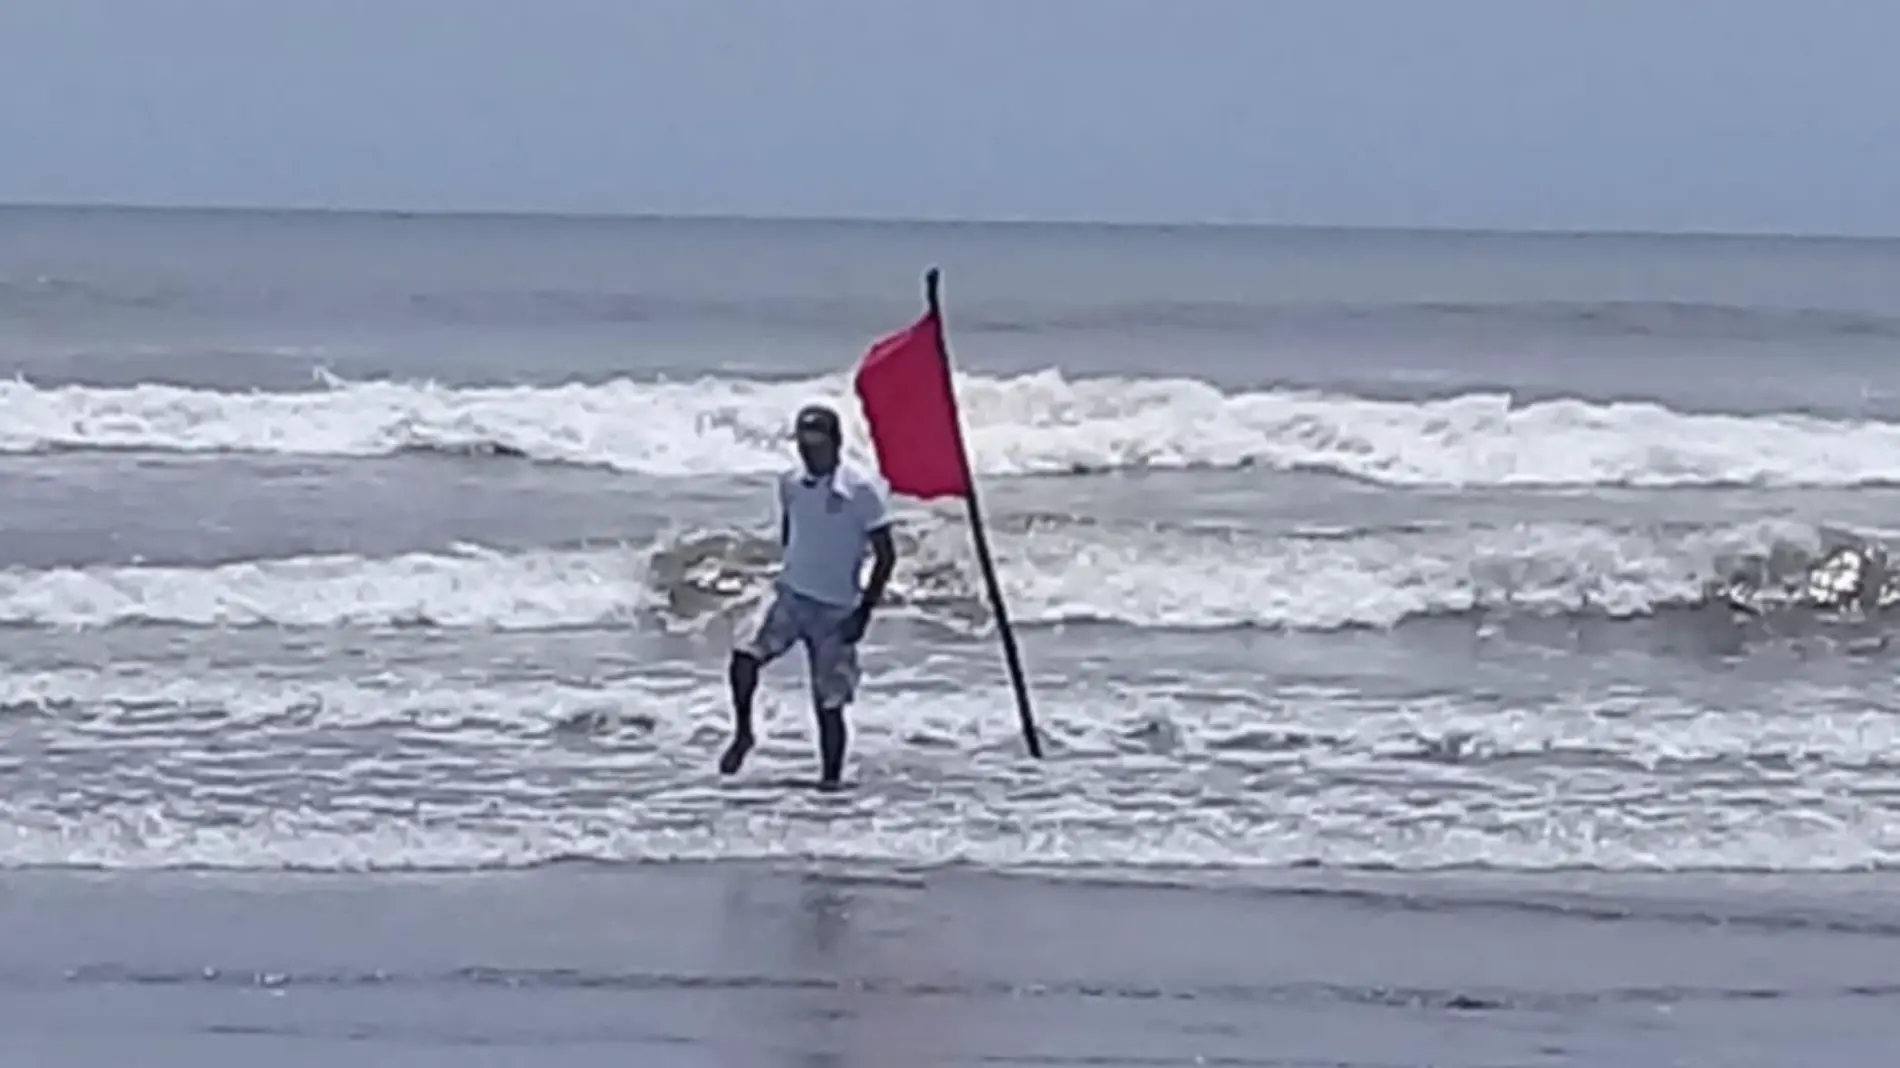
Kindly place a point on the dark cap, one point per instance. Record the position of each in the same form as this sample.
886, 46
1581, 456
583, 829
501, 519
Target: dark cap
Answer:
818, 419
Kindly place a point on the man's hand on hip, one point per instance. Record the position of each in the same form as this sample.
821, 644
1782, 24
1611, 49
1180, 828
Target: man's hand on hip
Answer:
856, 624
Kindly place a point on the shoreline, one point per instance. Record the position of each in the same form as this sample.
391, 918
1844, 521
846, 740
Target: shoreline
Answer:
1453, 884
1865, 905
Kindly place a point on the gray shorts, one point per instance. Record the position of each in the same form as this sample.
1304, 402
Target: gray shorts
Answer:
789, 618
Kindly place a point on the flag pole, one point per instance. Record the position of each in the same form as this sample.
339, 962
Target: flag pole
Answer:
975, 508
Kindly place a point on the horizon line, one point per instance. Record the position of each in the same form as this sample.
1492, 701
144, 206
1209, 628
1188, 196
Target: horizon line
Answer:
993, 222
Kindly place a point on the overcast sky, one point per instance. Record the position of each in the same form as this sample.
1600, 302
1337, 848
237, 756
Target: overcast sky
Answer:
1619, 114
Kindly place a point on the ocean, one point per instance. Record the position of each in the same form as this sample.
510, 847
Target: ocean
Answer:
1420, 626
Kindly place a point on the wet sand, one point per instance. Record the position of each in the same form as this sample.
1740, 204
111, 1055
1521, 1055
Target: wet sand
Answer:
735, 965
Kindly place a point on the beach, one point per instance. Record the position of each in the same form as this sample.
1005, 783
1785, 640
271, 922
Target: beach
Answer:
745, 965
1415, 625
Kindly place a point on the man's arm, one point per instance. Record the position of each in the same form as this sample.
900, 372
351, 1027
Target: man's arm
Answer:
784, 514
877, 527
883, 562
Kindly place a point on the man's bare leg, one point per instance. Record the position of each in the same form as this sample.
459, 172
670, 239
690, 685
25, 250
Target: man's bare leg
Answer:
743, 674
832, 736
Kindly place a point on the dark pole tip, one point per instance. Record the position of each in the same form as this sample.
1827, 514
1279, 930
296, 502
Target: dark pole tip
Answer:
931, 278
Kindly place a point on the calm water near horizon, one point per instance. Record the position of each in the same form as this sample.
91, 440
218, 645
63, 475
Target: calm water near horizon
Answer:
361, 545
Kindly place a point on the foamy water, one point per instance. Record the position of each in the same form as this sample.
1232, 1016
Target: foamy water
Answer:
483, 770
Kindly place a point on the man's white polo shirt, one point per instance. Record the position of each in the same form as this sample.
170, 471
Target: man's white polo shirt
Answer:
831, 521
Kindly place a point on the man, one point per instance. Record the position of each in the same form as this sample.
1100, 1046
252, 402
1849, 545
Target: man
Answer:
829, 513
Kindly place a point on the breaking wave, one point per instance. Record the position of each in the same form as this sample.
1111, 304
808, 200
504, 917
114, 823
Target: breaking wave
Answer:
1053, 570
1040, 423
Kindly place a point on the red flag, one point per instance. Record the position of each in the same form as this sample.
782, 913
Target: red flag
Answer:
904, 386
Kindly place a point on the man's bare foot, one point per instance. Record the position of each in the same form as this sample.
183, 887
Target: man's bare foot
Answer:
736, 753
